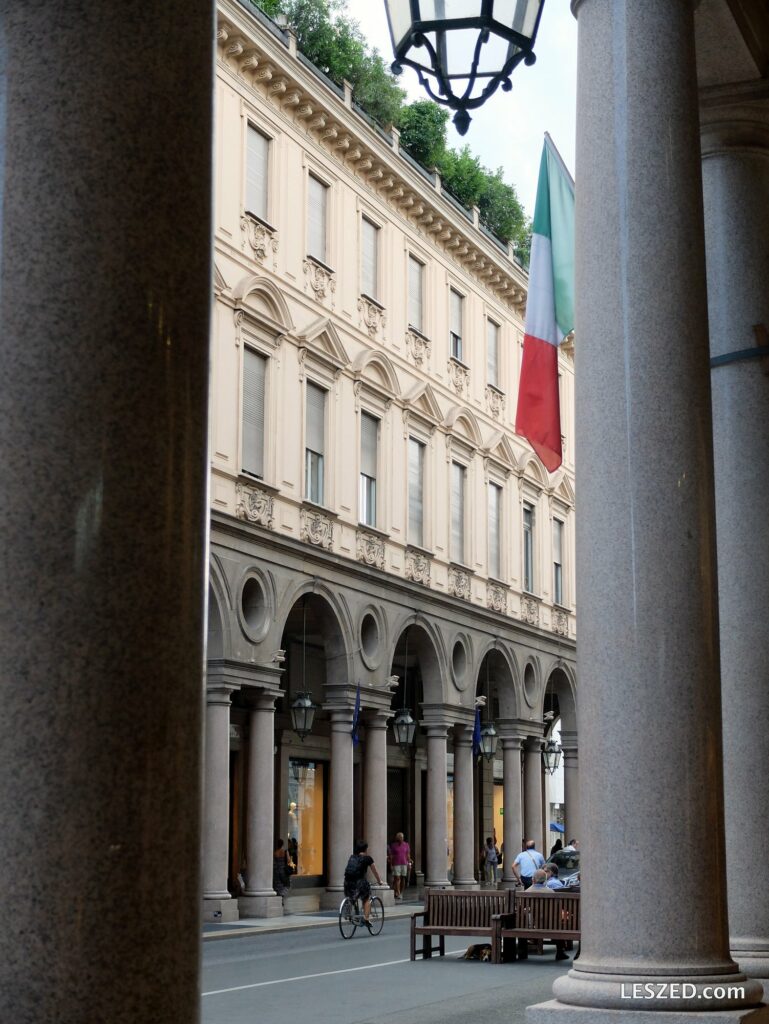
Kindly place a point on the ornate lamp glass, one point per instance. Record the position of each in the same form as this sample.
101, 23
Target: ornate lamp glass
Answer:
462, 50
551, 755
404, 728
488, 740
302, 715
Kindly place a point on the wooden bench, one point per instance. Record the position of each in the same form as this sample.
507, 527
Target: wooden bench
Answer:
535, 915
457, 912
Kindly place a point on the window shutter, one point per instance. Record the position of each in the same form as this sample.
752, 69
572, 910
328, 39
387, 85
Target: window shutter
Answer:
369, 253
369, 428
457, 512
254, 373
456, 313
415, 293
316, 419
495, 505
558, 541
316, 226
492, 353
256, 172
416, 492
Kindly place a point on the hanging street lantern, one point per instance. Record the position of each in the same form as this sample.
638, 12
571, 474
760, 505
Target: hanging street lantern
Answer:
462, 57
302, 715
404, 728
488, 740
551, 755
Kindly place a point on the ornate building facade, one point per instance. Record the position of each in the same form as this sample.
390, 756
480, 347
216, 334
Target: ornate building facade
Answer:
377, 526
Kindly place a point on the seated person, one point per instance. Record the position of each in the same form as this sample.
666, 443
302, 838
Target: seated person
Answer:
553, 881
539, 885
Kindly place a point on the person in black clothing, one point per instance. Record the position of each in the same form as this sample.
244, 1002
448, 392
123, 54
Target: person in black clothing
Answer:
356, 885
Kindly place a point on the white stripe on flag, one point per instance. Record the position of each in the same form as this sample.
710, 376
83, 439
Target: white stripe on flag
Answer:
540, 304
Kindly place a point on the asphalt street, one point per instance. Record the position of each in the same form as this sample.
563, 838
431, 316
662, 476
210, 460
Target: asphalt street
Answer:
314, 974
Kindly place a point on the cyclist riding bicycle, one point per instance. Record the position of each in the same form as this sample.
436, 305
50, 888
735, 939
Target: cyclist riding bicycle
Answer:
356, 885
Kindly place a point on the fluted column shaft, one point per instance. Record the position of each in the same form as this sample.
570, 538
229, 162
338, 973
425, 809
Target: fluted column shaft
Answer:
340, 811
261, 797
375, 790
105, 286
512, 820
648, 647
216, 798
735, 174
532, 792
437, 816
464, 832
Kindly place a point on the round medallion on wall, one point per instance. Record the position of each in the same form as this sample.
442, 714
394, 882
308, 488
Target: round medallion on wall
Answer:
371, 636
460, 661
255, 608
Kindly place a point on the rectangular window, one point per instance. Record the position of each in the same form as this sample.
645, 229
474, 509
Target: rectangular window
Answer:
369, 443
316, 219
495, 521
528, 548
458, 474
557, 561
257, 157
456, 324
416, 271
254, 374
492, 353
315, 443
369, 260
416, 492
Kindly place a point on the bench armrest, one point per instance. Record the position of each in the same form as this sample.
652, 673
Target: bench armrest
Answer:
418, 913
506, 920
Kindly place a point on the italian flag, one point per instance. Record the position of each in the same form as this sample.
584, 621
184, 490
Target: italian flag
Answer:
549, 308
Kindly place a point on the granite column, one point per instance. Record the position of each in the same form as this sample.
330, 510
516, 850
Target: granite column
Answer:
735, 174
512, 820
437, 814
647, 658
464, 830
375, 795
340, 804
218, 904
532, 791
570, 757
259, 898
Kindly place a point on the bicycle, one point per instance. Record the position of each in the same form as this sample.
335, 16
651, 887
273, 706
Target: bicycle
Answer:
351, 916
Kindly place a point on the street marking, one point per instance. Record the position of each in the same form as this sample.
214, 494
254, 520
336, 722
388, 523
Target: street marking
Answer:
303, 977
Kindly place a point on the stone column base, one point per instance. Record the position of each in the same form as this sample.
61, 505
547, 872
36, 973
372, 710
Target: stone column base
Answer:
385, 893
469, 883
555, 1012
261, 906
509, 883
331, 899
220, 910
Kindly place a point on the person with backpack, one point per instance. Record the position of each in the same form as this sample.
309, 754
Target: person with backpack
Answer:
356, 885
490, 861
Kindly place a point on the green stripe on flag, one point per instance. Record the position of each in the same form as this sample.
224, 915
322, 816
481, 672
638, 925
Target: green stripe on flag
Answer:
554, 219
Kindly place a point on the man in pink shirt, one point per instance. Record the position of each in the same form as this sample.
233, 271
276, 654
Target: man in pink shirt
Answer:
399, 858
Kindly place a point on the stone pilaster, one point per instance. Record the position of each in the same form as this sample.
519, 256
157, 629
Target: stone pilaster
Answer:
218, 904
259, 898
735, 175
340, 804
647, 656
570, 760
437, 817
464, 830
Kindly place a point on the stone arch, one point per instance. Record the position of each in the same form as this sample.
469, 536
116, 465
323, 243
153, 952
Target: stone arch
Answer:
504, 675
383, 375
559, 695
331, 616
533, 472
217, 617
262, 296
461, 419
426, 643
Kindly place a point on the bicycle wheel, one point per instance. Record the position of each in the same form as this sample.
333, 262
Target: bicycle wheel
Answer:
376, 915
348, 918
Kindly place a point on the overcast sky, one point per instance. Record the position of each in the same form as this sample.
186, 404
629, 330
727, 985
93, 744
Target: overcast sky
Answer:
508, 130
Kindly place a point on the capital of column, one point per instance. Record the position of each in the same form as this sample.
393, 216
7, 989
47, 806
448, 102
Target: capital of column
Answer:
219, 693
377, 720
734, 117
340, 718
463, 734
436, 730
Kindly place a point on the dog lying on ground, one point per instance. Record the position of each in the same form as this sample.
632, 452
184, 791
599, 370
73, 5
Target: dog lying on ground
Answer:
481, 951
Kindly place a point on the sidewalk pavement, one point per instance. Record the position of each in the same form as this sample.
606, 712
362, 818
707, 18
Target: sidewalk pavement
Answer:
263, 925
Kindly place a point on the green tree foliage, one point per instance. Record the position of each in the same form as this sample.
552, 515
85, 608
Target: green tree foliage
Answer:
422, 126
335, 45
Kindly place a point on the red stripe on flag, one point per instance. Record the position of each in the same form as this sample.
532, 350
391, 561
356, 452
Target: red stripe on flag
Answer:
538, 417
